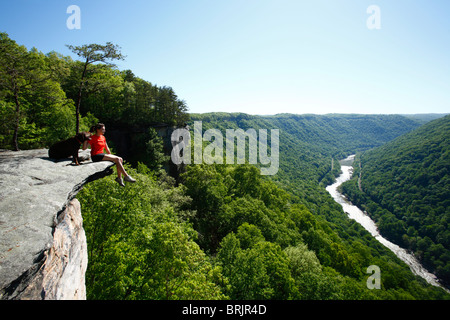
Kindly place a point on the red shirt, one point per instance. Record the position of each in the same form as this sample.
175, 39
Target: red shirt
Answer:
98, 144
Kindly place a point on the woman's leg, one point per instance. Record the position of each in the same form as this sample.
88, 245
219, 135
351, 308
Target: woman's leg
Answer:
119, 164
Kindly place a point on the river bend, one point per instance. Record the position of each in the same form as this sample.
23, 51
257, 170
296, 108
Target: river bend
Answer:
363, 219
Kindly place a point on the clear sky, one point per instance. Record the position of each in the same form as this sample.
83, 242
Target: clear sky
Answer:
260, 56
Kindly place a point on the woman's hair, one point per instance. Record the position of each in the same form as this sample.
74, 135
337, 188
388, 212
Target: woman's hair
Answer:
96, 127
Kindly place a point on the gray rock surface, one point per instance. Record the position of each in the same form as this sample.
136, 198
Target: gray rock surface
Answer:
34, 194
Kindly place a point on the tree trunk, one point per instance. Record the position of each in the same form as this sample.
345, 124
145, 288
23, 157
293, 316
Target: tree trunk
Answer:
77, 109
80, 90
15, 141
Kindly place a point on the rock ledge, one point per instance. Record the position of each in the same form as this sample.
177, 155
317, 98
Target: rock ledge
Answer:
43, 251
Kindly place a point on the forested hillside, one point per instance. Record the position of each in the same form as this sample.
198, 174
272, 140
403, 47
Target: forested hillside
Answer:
309, 142
41, 94
221, 231
228, 232
405, 188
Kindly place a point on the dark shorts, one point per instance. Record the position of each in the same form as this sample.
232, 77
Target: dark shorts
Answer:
98, 157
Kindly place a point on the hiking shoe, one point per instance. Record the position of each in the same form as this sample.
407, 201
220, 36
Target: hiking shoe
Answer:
120, 181
129, 179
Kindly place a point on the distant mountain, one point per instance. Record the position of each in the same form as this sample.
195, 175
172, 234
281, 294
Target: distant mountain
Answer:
425, 117
344, 132
405, 187
227, 232
310, 146
308, 142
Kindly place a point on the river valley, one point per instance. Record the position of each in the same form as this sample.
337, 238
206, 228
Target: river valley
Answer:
363, 219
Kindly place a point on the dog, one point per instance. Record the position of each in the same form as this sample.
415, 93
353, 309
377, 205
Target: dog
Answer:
69, 147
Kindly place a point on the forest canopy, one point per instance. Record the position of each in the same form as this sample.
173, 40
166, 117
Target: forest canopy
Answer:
40, 96
220, 231
250, 236
405, 188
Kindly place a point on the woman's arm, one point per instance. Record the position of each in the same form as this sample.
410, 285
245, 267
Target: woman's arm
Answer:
107, 149
85, 144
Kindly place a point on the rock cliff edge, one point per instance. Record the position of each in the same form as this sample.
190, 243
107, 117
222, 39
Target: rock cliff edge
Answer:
43, 252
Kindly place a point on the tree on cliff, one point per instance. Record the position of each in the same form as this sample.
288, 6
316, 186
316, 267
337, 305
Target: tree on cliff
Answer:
13, 73
93, 53
30, 98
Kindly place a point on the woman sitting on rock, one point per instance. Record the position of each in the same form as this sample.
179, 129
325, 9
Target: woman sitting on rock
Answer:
98, 147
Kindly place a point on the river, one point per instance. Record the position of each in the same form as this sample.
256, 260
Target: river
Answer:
363, 219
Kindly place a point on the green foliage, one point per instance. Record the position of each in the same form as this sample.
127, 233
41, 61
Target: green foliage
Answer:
260, 271
309, 143
227, 196
139, 244
225, 231
297, 211
31, 99
155, 151
148, 148
40, 95
93, 75
142, 243
406, 190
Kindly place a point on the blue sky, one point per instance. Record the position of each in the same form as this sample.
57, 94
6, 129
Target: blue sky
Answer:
260, 56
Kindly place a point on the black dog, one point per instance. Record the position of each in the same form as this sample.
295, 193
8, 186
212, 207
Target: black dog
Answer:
69, 147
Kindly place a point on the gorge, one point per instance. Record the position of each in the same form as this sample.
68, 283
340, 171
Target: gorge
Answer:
363, 219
